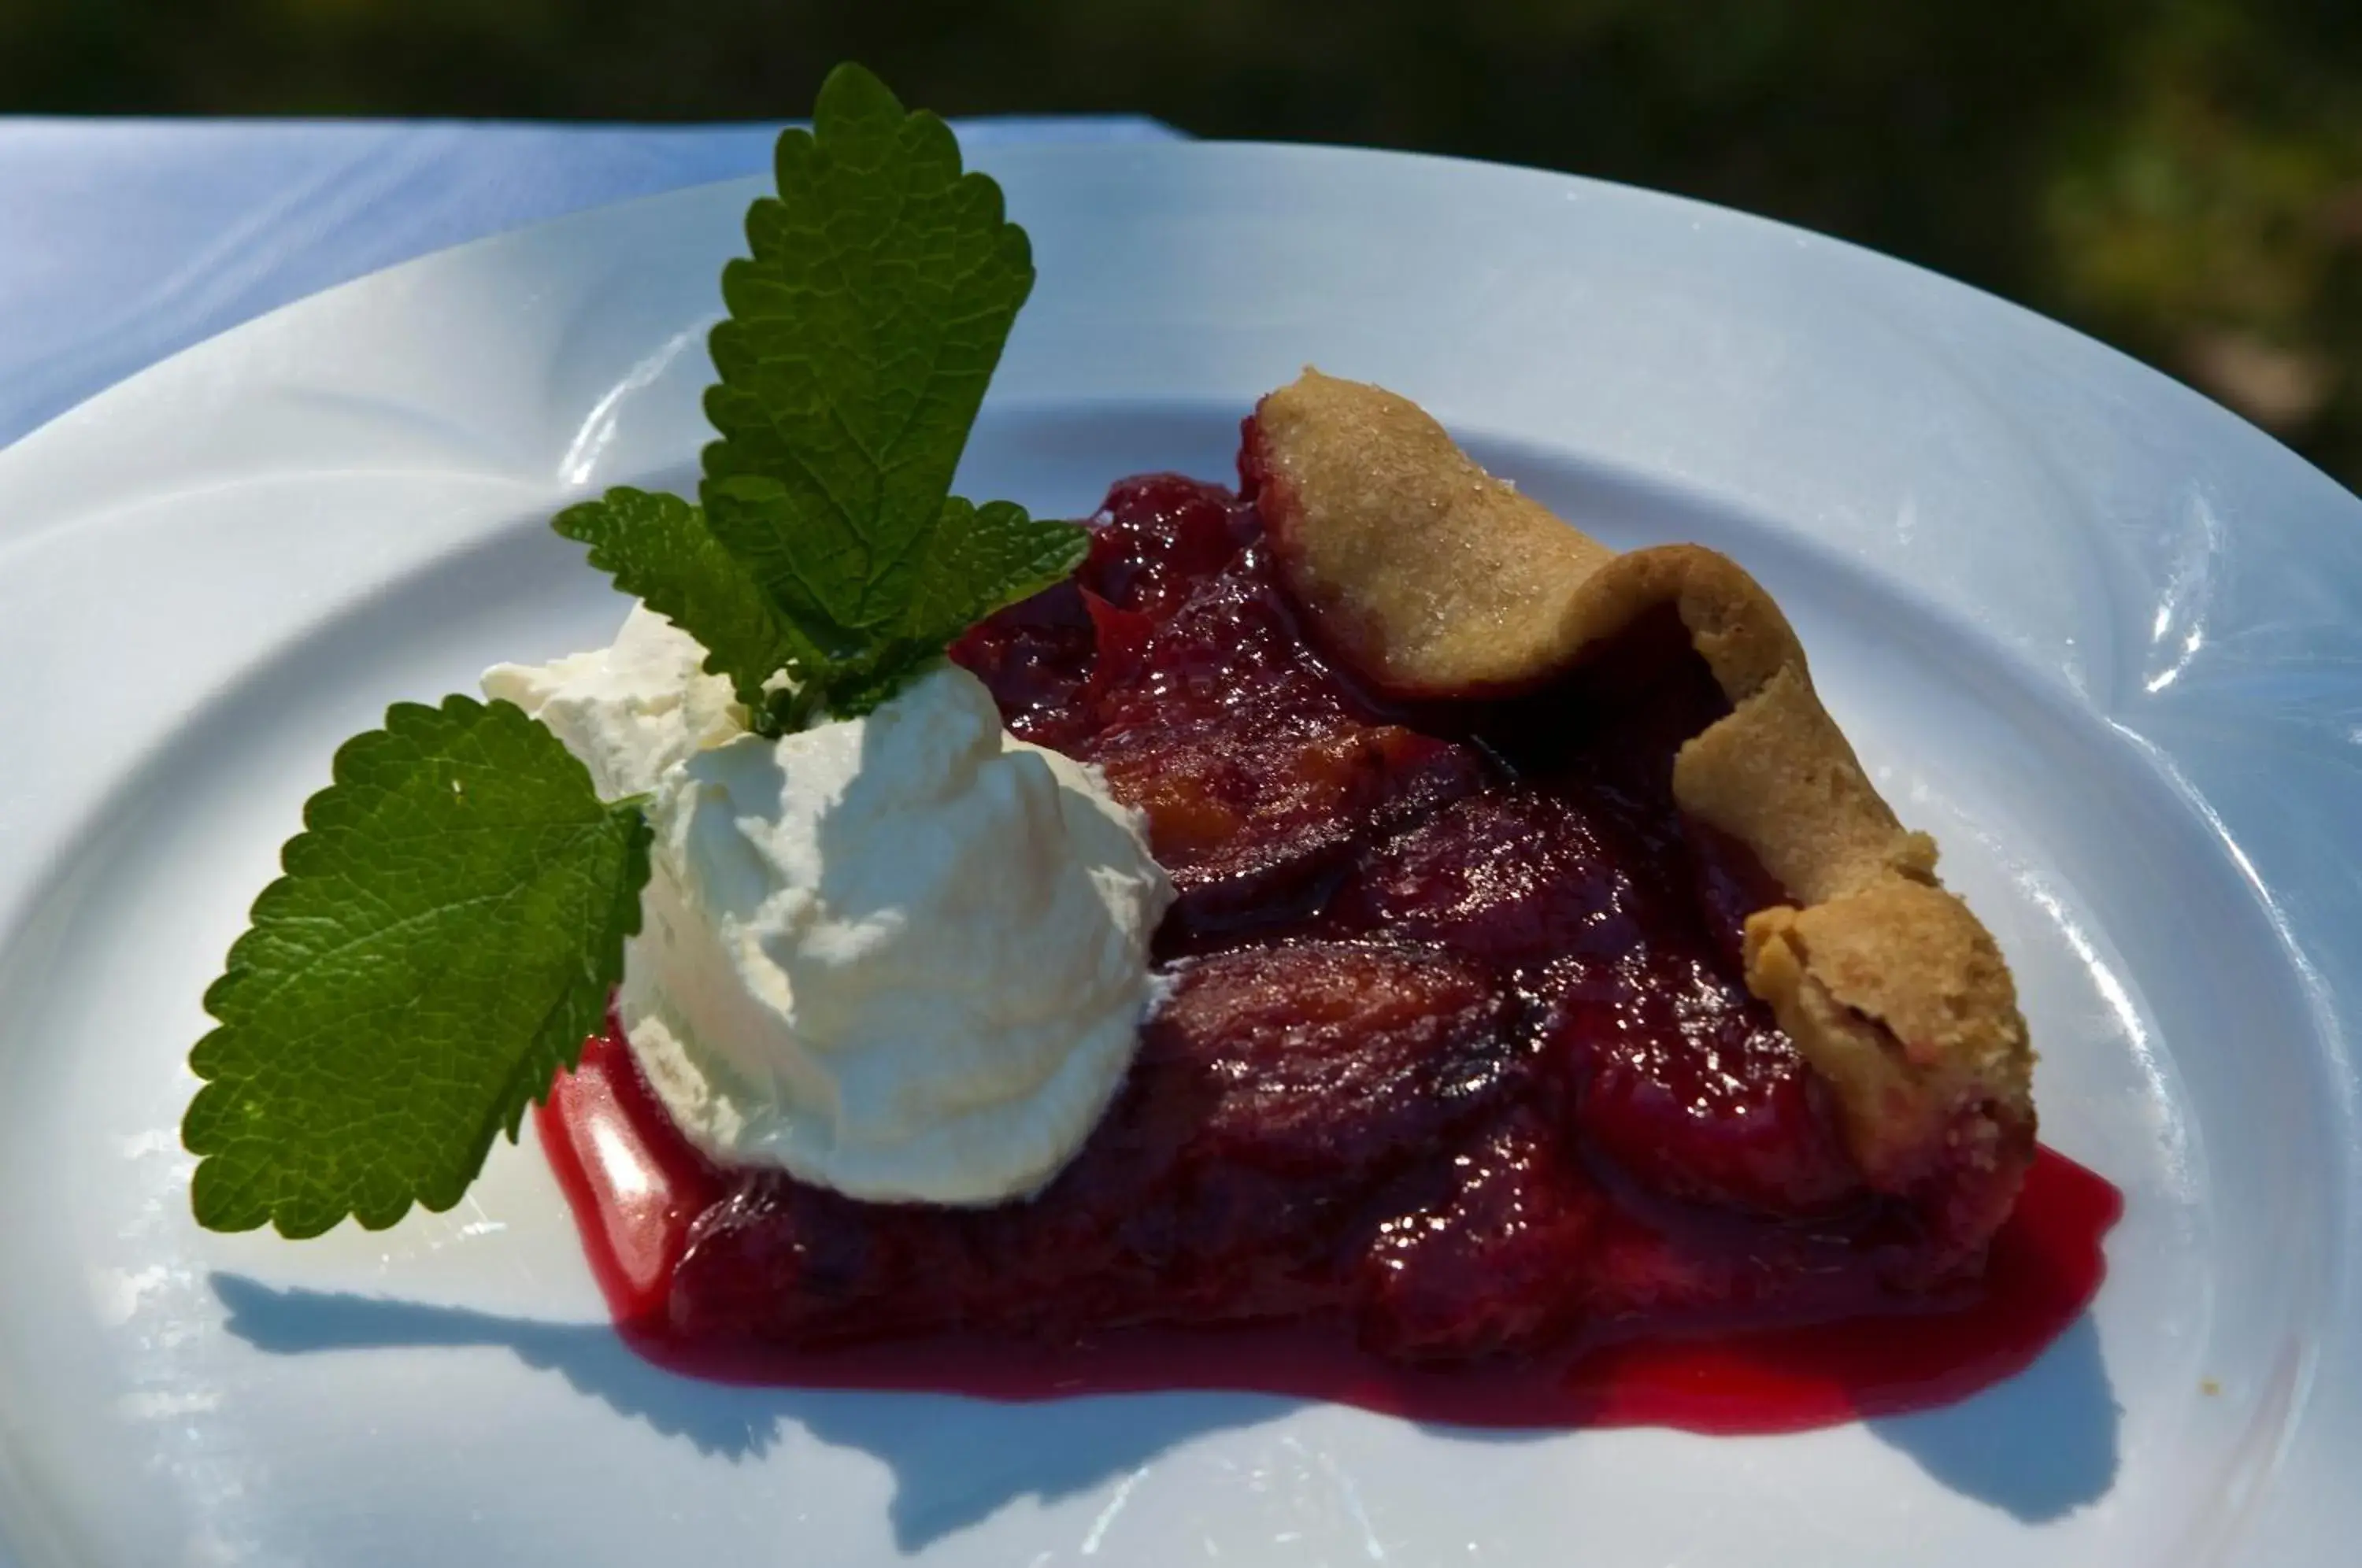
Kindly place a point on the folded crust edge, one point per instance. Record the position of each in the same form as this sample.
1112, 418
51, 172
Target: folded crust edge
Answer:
1433, 578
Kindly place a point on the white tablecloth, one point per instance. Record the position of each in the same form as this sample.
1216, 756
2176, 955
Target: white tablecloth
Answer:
123, 241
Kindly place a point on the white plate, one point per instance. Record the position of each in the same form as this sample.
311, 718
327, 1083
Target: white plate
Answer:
2101, 637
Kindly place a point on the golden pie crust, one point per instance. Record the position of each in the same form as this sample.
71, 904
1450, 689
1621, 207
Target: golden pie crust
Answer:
1433, 578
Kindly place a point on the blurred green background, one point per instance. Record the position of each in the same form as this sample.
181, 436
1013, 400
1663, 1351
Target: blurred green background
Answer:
2182, 178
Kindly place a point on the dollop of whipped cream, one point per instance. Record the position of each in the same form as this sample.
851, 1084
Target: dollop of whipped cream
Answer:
904, 956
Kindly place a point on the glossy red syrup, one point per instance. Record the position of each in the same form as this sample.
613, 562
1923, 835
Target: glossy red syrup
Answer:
1457, 1108
637, 1189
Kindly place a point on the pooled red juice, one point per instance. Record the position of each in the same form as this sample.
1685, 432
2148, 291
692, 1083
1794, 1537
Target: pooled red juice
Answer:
636, 1190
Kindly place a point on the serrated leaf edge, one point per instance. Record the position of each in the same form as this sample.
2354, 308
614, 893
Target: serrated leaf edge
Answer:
605, 973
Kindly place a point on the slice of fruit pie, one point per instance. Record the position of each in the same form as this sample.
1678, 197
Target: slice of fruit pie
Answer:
1357, 906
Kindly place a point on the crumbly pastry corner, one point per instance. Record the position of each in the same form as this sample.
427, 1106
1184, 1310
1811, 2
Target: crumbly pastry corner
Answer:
1433, 578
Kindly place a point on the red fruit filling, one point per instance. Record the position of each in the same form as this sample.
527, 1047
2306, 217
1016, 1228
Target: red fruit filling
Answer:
1457, 1069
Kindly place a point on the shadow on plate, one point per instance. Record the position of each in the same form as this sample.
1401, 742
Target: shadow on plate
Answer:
2039, 1446
956, 1461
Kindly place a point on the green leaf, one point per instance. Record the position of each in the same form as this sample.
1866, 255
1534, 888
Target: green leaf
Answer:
979, 560
659, 549
451, 921
861, 334
984, 559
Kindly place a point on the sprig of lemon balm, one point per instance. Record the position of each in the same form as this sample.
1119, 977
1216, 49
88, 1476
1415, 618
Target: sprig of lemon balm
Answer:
454, 915
862, 332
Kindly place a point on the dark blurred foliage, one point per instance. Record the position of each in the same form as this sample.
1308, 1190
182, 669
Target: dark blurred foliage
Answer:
2180, 177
